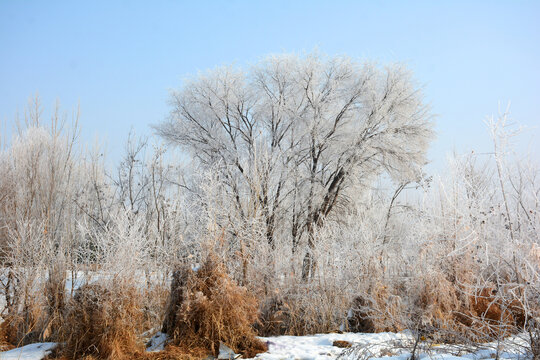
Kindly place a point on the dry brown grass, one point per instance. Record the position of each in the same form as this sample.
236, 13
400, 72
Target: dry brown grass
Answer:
211, 308
377, 311
6, 338
277, 318
304, 308
492, 314
442, 309
463, 312
102, 324
294, 315
170, 353
438, 300
26, 326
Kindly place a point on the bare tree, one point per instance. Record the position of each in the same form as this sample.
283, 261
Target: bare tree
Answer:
300, 136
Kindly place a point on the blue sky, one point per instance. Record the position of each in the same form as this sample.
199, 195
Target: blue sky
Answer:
120, 58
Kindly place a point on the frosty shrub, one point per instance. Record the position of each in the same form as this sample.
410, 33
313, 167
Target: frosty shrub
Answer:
37, 222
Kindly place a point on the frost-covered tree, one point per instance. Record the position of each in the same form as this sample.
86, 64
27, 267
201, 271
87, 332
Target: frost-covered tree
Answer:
297, 137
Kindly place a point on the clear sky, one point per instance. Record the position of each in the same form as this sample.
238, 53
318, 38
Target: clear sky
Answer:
120, 58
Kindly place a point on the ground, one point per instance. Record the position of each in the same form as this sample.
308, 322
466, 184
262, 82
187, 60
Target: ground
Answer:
387, 346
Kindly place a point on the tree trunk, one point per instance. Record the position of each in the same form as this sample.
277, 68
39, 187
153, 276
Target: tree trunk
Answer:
308, 266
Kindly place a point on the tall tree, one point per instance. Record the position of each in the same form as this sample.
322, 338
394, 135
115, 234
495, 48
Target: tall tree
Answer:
298, 135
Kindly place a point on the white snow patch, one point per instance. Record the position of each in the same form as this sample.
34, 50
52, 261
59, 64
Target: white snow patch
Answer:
29, 352
319, 347
157, 342
387, 346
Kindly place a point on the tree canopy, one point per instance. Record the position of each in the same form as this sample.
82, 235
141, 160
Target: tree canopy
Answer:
297, 136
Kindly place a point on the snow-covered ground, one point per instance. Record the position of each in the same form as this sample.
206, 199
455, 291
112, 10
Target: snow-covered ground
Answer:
320, 346
29, 352
387, 346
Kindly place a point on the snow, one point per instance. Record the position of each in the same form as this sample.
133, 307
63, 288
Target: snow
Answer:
319, 347
381, 346
387, 346
157, 342
29, 352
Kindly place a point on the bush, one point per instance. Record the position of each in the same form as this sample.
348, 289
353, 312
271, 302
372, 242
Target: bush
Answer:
6, 337
494, 314
24, 327
377, 311
303, 309
208, 308
102, 324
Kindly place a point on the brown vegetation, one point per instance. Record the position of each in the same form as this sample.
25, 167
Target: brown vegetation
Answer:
492, 314
102, 324
276, 318
6, 338
211, 308
377, 311
26, 326
341, 344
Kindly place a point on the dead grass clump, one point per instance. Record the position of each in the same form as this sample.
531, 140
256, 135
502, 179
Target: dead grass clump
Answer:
55, 304
170, 353
276, 318
24, 327
307, 308
493, 314
6, 336
176, 298
454, 314
360, 318
377, 311
293, 315
102, 324
34, 312
437, 302
211, 308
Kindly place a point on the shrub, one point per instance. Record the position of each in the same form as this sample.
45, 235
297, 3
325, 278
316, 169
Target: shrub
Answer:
102, 324
277, 318
304, 309
493, 314
209, 308
25, 326
6, 337
377, 311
